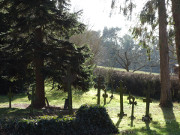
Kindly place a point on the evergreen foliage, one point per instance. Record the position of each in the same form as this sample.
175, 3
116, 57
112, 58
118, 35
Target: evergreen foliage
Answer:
36, 43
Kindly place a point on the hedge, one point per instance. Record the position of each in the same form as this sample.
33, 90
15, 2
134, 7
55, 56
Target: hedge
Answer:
137, 84
89, 120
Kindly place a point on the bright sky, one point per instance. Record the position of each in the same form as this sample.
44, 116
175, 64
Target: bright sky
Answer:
96, 13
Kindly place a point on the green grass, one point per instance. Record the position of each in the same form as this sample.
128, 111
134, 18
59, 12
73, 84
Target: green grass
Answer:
165, 121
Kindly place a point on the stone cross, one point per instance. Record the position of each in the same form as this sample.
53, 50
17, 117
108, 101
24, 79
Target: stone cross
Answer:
133, 102
68, 80
147, 101
132, 120
10, 96
99, 85
105, 95
121, 90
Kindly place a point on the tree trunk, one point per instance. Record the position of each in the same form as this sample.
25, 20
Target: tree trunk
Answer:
39, 101
165, 99
176, 17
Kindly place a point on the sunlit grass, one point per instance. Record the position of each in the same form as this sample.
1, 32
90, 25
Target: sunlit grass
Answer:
165, 121
121, 69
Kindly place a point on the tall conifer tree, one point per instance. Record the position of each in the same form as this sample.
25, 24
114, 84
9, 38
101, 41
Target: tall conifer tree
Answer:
38, 37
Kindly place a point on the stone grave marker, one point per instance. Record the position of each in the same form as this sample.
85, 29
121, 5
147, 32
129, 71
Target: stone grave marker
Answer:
99, 85
68, 80
132, 102
147, 100
121, 90
66, 103
105, 95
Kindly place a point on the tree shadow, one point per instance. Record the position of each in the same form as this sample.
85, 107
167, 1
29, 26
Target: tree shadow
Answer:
171, 124
5, 99
11, 113
147, 125
119, 121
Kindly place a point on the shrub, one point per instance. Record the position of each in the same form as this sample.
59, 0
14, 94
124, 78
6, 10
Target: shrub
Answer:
89, 120
137, 84
37, 126
95, 120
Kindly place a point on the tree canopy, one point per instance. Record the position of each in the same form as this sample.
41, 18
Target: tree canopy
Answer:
35, 44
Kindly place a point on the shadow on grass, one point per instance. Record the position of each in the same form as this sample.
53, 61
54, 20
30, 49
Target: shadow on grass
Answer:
119, 121
60, 94
14, 113
11, 113
144, 130
172, 126
4, 98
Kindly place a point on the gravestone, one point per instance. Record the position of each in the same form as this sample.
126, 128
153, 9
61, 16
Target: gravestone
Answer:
121, 90
105, 95
99, 85
10, 96
132, 121
66, 103
147, 101
132, 102
68, 80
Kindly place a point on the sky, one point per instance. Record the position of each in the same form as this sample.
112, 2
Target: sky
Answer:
96, 14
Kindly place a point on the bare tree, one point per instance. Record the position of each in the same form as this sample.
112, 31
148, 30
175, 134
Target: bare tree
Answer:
131, 56
93, 40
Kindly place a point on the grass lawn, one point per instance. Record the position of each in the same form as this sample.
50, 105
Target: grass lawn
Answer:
165, 121
121, 69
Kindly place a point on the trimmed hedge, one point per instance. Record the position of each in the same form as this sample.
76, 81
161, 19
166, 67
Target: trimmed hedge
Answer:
89, 120
137, 84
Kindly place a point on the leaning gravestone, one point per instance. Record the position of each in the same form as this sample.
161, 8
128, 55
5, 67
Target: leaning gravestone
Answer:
147, 101
99, 85
132, 102
121, 90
